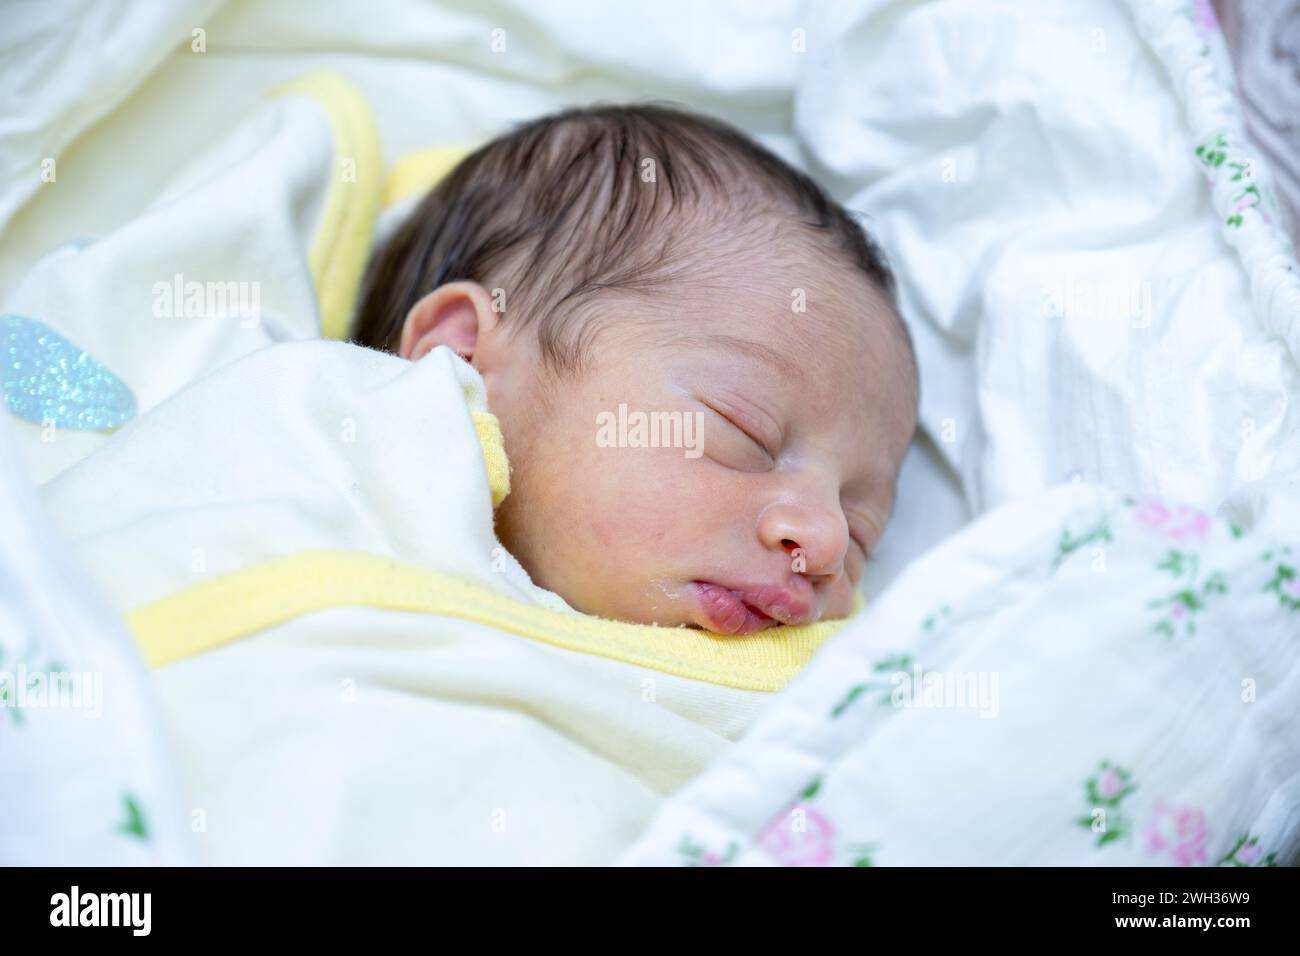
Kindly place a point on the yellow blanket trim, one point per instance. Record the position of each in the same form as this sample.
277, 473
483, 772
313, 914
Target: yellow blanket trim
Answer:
494, 455
235, 605
338, 254
418, 172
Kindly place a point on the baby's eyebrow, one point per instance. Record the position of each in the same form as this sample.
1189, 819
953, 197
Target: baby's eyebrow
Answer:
779, 361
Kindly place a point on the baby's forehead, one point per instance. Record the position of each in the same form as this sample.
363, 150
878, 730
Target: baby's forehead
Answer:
803, 324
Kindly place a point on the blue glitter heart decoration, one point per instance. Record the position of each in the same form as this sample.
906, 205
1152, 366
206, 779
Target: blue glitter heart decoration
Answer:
48, 380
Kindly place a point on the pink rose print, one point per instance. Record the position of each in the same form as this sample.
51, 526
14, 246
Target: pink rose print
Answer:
1109, 783
1178, 524
1105, 792
1248, 851
1180, 833
812, 845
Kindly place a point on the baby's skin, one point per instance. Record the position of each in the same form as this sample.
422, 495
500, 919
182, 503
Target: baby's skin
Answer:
765, 518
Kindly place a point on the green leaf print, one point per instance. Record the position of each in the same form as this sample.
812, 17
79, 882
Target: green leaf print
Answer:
1070, 544
1284, 583
885, 668
134, 825
1184, 604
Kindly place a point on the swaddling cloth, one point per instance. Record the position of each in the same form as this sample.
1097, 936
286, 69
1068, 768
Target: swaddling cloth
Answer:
351, 668
300, 535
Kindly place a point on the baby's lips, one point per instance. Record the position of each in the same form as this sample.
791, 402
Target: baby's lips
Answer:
778, 603
724, 612
746, 609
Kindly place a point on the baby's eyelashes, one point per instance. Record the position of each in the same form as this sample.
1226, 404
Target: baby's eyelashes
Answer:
731, 444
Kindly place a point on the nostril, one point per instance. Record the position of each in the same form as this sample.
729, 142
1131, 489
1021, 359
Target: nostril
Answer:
789, 544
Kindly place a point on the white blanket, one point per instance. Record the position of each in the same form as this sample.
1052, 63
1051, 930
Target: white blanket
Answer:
350, 668
1066, 258
1073, 680
89, 780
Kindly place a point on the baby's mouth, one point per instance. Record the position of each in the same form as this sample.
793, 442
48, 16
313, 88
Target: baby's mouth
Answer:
730, 611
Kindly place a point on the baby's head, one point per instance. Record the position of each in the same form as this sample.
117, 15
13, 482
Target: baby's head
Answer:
704, 389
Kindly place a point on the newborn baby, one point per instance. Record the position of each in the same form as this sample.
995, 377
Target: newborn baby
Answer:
303, 540
605, 262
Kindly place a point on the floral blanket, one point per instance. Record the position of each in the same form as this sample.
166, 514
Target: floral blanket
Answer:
1078, 678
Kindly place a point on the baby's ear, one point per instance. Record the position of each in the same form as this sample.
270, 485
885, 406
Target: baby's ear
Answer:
453, 315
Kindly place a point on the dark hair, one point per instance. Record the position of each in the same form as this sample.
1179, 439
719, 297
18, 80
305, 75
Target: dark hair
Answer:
562, 208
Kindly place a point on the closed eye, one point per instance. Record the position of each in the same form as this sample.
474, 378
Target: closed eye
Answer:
740, 428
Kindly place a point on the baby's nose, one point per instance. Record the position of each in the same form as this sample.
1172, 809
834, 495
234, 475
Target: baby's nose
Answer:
814, 540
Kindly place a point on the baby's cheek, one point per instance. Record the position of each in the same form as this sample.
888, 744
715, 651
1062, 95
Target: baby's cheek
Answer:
840, 595
615, 500
841, 603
